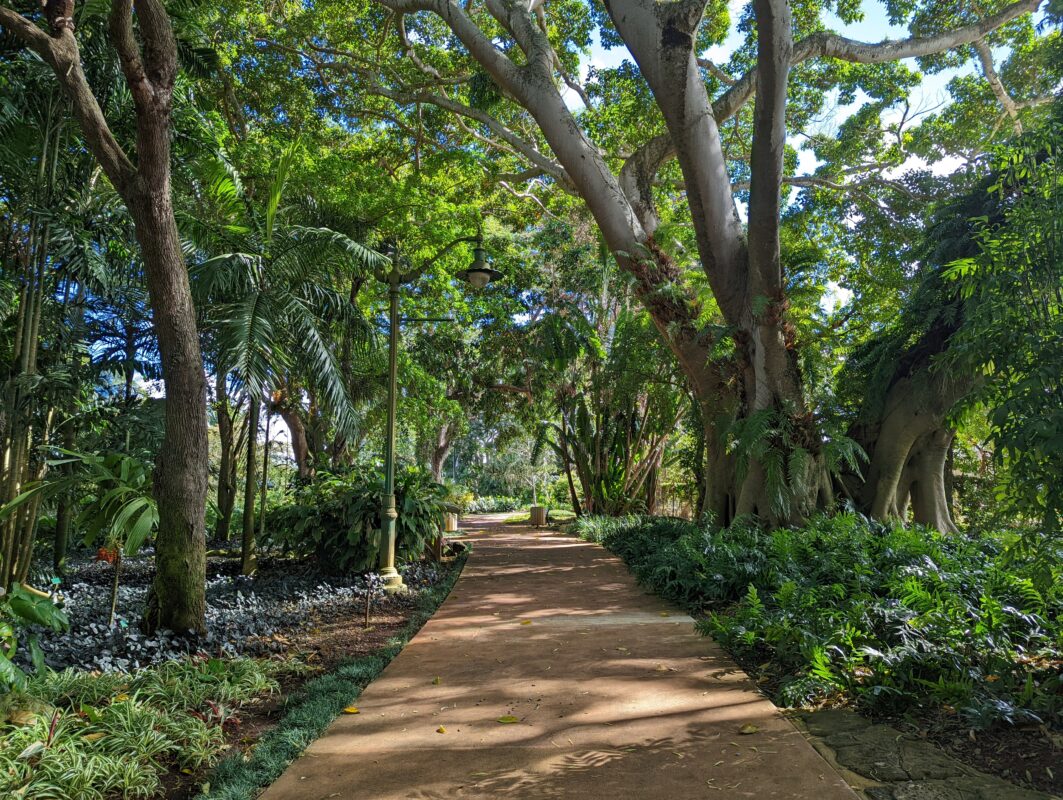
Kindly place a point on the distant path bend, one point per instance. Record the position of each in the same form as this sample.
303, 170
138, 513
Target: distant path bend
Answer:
614, 694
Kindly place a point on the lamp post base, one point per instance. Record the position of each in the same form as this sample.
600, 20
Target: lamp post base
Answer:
392, 581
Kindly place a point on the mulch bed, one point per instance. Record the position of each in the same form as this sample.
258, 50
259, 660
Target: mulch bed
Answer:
1030, 756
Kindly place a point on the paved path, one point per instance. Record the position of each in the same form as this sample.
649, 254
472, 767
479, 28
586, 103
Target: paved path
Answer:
615, 696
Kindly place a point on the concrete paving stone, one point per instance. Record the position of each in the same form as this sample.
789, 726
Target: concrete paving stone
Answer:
909, 768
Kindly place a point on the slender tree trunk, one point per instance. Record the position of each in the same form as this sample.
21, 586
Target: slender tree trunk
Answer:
265, 480
64, 509
566, 458
247, 540
651, 488
227, 465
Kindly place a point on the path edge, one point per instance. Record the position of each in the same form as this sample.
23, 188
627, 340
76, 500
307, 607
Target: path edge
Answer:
315, 706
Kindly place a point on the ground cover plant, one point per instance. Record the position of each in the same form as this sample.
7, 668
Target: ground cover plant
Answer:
77, 734
245, 616
890, 617
148, 717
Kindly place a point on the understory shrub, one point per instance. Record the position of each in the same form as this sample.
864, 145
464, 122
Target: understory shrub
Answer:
335, 519
891, 616
90, 735
495, 504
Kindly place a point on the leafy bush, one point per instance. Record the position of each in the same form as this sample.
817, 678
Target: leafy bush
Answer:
891, 616
18, 609
89, 735
459, 497
557, 494
495, 504
335, 517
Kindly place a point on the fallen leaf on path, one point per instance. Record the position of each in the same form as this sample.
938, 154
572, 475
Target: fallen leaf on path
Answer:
441, 729
508, 719
748, 728
437, 681
525, 622
93, 737
351, 710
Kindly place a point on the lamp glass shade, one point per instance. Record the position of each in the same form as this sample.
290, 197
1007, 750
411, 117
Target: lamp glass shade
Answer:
478, 277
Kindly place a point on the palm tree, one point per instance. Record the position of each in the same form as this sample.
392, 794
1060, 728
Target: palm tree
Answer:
272, 301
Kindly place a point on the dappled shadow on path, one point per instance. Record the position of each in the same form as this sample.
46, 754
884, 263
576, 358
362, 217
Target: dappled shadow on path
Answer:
548, 673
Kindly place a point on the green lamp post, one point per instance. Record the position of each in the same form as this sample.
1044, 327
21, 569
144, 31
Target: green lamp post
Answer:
479, 274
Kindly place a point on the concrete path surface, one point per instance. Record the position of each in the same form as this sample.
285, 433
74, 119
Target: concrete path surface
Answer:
613, 694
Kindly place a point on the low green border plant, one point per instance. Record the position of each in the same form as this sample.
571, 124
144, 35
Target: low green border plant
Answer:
890, 617
310, 711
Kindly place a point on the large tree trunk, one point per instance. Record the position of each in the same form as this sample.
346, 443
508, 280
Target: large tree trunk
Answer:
177, 599
300, 444
747, 282
905, 434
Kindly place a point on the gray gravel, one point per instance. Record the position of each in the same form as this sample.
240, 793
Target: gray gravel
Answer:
242, 613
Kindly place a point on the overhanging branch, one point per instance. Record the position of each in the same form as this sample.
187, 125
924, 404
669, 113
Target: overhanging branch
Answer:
830, 45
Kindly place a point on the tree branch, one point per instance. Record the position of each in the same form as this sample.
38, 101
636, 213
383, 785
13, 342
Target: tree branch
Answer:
985, 56
481, 48
60, 51
521, 146
637, 176
716, 72
120, 28
830, 45
160, 47
774, 51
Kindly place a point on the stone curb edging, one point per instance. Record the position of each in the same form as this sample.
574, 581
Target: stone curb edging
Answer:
881, 763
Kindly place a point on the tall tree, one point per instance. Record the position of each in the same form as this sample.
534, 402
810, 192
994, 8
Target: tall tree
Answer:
271, 300
148, 58
507, 85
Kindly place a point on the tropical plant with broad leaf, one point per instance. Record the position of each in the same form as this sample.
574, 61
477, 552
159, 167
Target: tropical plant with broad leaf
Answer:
271, 288
275, 300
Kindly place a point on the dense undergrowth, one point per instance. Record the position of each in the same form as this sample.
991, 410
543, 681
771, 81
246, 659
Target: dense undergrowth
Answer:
494, 504
890, 617
90, 735
334, 519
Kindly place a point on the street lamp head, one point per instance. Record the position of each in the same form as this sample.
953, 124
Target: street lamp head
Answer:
479, 273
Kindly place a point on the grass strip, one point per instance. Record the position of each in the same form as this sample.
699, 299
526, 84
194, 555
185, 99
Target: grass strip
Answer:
313, 708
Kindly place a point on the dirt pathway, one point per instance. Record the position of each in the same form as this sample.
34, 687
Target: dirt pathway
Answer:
548, 673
